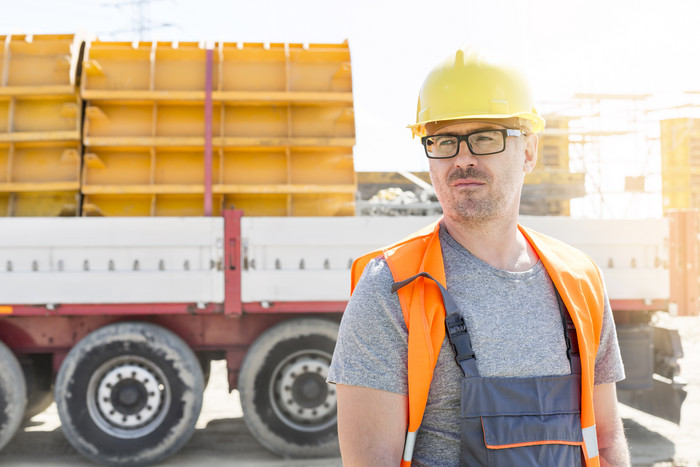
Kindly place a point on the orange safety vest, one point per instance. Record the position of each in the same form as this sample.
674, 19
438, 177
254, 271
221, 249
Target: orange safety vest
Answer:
575, 276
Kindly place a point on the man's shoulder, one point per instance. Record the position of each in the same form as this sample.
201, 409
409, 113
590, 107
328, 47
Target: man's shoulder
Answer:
549, 244
408, 246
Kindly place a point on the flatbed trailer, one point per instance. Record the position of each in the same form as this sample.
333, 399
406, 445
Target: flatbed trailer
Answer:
118, 319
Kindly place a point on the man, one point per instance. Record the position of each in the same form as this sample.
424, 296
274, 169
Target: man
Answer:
477, 341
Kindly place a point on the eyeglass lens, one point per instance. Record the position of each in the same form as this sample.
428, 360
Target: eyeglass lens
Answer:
480, 143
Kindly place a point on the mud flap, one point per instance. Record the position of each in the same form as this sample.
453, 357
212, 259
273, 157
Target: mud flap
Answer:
663, 400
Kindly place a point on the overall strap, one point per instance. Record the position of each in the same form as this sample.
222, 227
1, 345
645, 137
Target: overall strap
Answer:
457, 331
572, 351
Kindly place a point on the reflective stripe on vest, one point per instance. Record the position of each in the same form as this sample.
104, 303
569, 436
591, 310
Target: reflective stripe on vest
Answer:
574, 275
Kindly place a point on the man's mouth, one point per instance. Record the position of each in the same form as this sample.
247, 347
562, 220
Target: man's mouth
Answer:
467, 182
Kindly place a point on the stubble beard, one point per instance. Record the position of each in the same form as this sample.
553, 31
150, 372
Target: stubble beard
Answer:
466, 208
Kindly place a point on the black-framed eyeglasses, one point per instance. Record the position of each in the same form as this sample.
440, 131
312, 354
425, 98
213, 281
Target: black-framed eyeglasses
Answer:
480, 143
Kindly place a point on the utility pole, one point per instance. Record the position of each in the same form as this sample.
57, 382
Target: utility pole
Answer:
141, 23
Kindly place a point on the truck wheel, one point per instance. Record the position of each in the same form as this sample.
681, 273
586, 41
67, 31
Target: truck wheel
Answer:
13, 394
129, 394
287, 404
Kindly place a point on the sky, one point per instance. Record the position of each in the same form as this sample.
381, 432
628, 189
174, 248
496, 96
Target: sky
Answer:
564, 47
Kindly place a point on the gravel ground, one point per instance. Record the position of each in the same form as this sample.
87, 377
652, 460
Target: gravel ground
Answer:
222, 438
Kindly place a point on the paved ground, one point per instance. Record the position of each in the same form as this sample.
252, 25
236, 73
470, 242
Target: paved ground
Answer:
222, 438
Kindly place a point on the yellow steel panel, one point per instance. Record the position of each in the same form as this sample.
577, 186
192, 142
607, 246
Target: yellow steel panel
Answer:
237, 67
39, 60
184, 205
182, 120
38, 136
333, 121
129, 119
282, 97
179, 69
323, 205
269, 121
553, 150
322, 167
680, 163
265, 142
297, 121
46, 114
34, 164
122, 206
122, 166
323, 72
119, 120
258, 204
39, 204
282, 129
281, 189
278, 67
236, 97
120, 65
251, 69
254, 167
37, 91
182, 167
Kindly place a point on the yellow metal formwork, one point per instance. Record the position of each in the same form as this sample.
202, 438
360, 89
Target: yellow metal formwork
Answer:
680, 163
40, 117
550, 185
282, 129
553, 148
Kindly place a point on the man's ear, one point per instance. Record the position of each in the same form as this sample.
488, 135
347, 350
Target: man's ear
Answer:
531, 141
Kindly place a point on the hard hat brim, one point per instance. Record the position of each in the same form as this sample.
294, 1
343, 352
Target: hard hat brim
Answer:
538, 123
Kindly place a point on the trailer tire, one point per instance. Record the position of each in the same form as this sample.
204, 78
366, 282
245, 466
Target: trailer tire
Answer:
129, 394
13, 395
287, 404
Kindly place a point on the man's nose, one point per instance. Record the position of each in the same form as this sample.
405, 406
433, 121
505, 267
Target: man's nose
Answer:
464, 157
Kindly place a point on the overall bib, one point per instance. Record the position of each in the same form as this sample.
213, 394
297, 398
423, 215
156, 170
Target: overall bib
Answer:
532, 421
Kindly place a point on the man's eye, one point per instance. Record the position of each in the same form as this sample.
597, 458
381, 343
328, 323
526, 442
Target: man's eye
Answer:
446, 142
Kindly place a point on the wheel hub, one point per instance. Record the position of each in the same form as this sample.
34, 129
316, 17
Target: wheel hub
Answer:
304, 394
129, 395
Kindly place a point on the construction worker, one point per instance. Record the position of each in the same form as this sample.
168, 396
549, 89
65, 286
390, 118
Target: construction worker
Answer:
477, 341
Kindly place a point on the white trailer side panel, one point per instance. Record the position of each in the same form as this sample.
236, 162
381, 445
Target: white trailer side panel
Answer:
111, 260
168, 260
633, 254
308, 259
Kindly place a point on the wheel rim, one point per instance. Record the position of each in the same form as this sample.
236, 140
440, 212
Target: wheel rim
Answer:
128, 397
300, 396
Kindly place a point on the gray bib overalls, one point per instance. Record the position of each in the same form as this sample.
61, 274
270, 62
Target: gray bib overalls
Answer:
505, 422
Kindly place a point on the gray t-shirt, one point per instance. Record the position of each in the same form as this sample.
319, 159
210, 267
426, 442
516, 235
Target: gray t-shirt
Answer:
515, 328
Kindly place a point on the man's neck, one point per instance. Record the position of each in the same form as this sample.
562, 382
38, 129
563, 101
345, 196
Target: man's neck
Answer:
498, 243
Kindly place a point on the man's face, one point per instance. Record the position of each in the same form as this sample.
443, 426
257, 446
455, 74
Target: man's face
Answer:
482, 188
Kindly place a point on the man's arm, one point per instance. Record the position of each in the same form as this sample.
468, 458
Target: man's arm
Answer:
371, 426
611, 435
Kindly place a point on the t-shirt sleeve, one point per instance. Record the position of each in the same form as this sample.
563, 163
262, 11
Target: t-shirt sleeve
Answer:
608, 361
372, 347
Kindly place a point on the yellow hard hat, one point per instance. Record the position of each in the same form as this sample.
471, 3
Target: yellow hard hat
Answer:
467, 85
